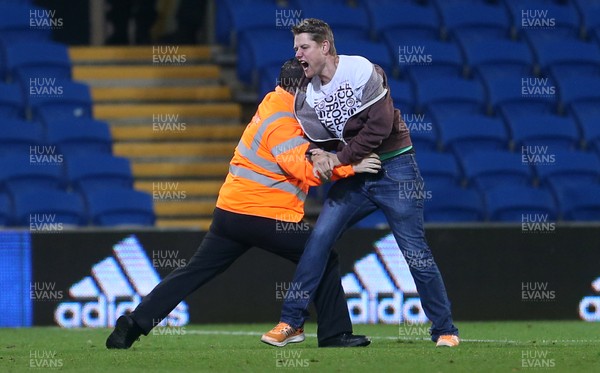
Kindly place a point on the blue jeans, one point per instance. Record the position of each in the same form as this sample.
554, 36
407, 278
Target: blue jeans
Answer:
399, 192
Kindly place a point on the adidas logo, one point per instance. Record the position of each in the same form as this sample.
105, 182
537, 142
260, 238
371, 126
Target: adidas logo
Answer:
382, 288
589, 307
115, 287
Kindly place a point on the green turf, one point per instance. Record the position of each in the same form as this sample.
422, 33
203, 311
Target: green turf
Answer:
487, 347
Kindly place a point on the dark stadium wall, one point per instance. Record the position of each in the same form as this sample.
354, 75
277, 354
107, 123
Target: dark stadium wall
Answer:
498, 273
74, 17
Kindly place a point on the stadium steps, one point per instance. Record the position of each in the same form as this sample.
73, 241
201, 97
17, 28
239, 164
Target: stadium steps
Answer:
174, 149
177, 123
112, 94
133, 54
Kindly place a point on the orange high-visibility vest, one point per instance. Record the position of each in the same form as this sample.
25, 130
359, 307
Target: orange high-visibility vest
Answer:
269, 174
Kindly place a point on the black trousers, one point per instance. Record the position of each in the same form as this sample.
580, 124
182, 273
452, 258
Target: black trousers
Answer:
229, 237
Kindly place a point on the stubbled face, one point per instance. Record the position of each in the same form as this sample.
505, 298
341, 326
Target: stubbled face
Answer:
310, 54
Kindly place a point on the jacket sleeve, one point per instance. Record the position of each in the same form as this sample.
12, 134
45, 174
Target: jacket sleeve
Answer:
289, 147
376, 127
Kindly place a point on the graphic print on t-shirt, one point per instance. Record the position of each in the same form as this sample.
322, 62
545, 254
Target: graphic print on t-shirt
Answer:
334, 110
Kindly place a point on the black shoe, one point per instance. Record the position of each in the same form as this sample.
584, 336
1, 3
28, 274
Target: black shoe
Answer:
346, 340
126, 332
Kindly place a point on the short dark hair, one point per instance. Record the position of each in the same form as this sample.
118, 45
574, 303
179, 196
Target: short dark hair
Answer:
290, 75
318, 29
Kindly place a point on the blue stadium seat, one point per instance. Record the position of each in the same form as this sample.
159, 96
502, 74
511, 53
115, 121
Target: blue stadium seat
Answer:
579, 89
236, 16
511, 203
423, 131
348, 23
482, 20
453, 204
557, 51
587, 115
6, 211
438, 168
569, 167
402, 95
575, 70
503, 53
67, 100
552, 131
15, 23
422, 59
580, 202
544, 17
37, 60
596, 35
488, 169
36, 170
79, 136
418, 21
590, 15
11, 101
466, 133
42, 209
254, 54
18, 136
268, 79
97, 171
518, 95
450, 96
120, 207
377, 53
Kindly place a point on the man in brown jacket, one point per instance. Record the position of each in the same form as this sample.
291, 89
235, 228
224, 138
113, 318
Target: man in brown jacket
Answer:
346, 105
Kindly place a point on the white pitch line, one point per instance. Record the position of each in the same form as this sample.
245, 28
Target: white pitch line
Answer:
312, 335
468, 340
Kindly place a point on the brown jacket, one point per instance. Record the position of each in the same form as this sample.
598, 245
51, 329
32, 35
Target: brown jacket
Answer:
376, 127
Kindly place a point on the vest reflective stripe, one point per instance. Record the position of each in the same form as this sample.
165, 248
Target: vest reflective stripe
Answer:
255, 144
267, 181
287, 145
250, 153
258, 160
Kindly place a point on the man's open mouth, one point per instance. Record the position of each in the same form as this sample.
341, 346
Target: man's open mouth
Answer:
304, 65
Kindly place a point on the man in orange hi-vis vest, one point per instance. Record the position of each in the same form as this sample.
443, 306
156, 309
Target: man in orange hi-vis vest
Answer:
263, 194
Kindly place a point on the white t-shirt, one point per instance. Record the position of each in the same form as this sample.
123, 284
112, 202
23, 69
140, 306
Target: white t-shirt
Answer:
339, 99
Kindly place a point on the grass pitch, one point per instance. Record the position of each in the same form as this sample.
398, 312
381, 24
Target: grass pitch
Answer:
486, 347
